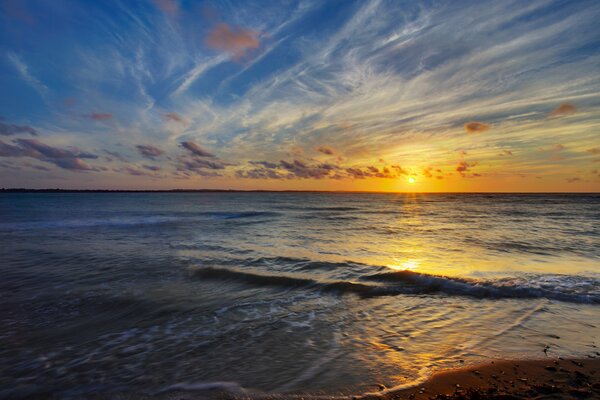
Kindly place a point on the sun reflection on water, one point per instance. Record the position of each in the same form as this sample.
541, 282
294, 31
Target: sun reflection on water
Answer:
409, 265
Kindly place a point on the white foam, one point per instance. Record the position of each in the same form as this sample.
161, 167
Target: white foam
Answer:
231, 387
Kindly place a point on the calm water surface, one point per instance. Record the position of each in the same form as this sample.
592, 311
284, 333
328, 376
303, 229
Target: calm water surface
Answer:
287, 292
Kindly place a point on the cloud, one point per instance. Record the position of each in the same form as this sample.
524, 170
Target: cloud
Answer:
506, 153
134, 171
100, 116
288, 170
299, 169
23, 70
116, 155
70, 159
149, 151
196, 149
51, 152
574, 179
594, 150
400, 170
266, 164
476, 127
199, 166
196, 162
295, 151
7, 150
563, 109
74, 164
233, 40
38, 167
326, 150
12, 129
170, 7
463, 167
558, 147
154, 168
260, 173
399, 89
370, 172
197, 71
173, 116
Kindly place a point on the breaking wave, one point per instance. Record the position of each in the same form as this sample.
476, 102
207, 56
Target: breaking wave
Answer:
414, 283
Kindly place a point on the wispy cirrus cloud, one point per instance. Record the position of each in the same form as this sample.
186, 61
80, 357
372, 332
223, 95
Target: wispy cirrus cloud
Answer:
26, 75
378, 80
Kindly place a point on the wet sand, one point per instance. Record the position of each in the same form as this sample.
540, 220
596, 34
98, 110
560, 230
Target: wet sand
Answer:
551, 378
531, 379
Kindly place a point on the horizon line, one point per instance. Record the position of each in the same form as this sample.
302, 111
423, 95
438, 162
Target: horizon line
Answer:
60, 190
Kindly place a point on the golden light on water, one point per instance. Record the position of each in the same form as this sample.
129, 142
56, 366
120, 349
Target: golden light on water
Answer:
410, 265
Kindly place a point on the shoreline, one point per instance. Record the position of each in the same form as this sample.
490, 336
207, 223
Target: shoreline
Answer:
551, 378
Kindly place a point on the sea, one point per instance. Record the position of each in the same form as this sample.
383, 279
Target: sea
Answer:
264, 293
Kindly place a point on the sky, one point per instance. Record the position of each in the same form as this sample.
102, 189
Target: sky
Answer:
303, 95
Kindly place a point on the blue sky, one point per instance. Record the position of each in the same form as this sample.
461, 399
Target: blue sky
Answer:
342, 95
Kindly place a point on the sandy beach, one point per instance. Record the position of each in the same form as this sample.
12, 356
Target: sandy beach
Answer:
530, 379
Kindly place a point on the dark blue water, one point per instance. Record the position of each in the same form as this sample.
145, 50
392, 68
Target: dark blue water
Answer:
287, 292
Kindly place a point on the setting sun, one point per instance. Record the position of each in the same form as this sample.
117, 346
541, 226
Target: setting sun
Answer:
411, 180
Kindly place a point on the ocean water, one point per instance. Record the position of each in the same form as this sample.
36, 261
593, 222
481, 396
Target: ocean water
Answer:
314, 293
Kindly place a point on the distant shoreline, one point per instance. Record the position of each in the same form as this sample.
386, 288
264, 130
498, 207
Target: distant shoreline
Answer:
26, 190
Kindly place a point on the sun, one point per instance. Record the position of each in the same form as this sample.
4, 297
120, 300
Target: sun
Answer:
411, 180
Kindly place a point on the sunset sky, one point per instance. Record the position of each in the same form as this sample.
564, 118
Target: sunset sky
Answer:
323, 95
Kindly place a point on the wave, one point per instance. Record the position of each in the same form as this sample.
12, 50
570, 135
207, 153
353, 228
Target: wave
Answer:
498, 289
230, 387
287, 282
236, 215
126, 221
91, 222
309, 208
404, 283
